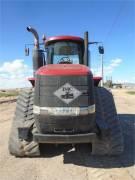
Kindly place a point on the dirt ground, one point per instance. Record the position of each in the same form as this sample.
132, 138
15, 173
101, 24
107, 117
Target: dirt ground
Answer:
63, 162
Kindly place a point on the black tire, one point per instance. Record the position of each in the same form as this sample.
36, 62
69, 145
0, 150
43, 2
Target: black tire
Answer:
110, 138
23, 118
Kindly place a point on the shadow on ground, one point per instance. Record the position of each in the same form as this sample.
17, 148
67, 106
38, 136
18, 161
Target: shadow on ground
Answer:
82, 157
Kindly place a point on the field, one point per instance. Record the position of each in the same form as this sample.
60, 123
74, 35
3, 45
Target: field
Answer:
63, 162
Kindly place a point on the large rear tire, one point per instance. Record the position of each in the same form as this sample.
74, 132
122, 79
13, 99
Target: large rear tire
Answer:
23, 118
110, 139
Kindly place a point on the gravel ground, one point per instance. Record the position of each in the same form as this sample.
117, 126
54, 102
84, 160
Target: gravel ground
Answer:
63, 162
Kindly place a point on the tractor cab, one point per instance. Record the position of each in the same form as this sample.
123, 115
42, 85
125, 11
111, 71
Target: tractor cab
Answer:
67, 50
64, 50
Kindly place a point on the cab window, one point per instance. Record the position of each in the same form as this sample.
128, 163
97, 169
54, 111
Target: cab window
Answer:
65, 52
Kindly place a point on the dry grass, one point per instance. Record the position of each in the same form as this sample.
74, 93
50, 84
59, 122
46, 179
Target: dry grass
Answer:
8, 93
131, 92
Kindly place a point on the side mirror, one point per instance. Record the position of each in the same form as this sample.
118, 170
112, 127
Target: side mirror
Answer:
26, 51
101, 49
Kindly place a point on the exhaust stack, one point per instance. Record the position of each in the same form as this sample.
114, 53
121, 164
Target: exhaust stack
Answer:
37, 54
86, 40
36, 37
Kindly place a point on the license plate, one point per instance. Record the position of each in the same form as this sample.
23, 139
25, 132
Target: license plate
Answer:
65, 111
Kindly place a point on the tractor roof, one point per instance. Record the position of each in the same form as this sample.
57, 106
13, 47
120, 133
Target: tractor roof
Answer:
63, 38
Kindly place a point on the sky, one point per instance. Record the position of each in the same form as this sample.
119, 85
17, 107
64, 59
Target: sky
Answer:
111, 22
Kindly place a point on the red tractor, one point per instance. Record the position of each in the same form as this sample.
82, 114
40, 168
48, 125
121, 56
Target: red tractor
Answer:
65, 104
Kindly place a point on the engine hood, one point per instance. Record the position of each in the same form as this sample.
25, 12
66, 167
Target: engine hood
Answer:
63, 69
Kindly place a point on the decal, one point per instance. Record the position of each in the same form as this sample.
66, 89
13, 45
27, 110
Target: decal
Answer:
67, 93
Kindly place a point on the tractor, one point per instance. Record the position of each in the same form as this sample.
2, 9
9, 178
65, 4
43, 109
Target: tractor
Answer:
65, 103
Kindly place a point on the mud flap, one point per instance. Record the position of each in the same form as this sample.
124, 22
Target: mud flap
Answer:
24, 132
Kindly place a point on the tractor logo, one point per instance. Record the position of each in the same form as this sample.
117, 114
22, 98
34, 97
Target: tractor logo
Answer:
67, 93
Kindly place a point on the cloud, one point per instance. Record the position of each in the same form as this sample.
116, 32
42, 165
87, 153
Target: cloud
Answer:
14, 74
111, 67
108, 70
